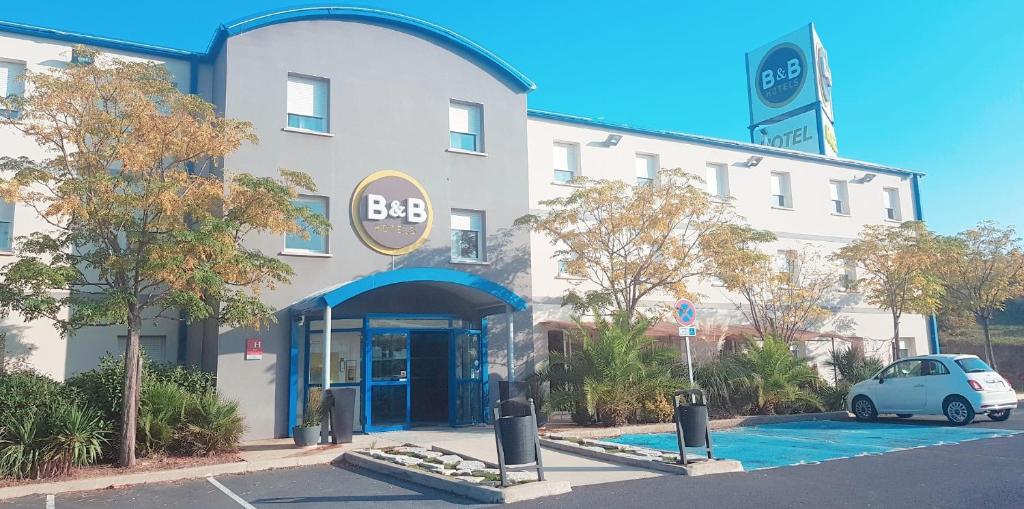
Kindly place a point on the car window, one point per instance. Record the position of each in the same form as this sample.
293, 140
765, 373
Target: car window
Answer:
933, 368
903, 369
973, 365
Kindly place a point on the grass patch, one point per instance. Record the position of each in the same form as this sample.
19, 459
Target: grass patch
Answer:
1003, 334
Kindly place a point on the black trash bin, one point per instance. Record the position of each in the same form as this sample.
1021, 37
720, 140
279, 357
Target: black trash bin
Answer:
512, 396
693, 417
517, 440
343, 409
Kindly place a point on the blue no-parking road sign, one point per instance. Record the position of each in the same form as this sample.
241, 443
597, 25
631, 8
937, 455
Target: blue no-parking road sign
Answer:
686, 312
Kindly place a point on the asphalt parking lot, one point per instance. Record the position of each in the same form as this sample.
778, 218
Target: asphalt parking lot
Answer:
983, 473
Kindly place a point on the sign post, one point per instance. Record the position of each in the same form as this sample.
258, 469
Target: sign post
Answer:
686, 316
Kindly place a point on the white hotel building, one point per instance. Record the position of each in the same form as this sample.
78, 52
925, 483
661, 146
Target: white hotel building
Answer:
457, 122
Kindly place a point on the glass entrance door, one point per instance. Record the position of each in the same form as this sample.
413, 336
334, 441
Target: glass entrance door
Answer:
387, 391
467, 387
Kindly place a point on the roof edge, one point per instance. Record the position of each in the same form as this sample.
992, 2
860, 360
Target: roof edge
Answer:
717, 142
95, 40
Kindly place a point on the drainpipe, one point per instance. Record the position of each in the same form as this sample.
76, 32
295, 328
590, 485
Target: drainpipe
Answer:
511, 344
326, 381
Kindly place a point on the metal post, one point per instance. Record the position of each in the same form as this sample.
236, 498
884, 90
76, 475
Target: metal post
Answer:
689, 360
325, 434
501, 450
511, 344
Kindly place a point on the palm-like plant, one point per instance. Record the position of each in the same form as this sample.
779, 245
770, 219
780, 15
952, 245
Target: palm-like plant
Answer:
852, 365
780, 380
616, 372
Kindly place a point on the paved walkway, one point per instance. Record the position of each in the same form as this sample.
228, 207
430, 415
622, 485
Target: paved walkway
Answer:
478, 442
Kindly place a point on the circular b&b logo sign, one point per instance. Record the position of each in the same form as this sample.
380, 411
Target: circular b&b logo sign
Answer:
391, 212
781, 75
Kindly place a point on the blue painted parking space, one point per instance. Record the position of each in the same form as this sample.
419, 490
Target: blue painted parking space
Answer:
796, 443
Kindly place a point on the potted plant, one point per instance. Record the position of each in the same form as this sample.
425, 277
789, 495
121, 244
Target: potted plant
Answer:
307, 432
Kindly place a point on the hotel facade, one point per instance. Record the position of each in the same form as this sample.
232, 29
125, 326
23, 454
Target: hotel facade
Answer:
425, 152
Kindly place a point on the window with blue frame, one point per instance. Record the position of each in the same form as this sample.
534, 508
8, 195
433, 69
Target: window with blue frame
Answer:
312, 241
465, 126
307, 103
467, 236
11, 85
6, 225
566, 161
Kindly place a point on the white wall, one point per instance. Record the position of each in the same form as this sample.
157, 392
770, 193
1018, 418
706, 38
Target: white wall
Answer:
810, 224
38, 343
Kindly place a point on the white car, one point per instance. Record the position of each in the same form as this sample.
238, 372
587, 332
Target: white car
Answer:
957, 386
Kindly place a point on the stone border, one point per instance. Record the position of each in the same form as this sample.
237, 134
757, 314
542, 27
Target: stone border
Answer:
486, 494
160, 476
697, 466
714, 425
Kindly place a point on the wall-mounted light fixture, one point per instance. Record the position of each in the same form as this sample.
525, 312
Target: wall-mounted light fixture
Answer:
868, 177
753, 161
612, 140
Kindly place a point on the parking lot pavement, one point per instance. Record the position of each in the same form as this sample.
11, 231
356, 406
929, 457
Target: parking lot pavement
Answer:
982, 473
318, 487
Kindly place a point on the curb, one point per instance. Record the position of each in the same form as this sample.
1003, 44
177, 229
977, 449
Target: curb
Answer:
160, 476
714, 425
486, 494
693, 469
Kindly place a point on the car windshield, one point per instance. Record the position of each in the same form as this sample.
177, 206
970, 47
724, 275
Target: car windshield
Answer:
973, 365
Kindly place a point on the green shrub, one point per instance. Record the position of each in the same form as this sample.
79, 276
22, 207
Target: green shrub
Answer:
24, 392
313, 413
781, 383
161, 412
211, 425
832, 397
191, 379
852, 365
22, 445
77, 436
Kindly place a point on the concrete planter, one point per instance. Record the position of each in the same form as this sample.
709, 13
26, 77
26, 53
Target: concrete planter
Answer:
306, 436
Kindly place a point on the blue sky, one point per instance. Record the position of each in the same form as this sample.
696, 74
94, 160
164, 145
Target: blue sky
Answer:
934, 86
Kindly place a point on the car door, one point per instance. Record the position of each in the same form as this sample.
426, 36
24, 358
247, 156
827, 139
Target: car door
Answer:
940, 384
901, 388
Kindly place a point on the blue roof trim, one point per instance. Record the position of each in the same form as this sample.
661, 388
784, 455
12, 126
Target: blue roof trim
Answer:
437, 32
717, 142
95, 40
340, 294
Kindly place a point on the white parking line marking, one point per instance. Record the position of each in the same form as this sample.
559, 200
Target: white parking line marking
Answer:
51, 502
230, 493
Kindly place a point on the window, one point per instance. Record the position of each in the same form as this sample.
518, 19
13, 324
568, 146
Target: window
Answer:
346, 357
904, 369
973, 365
848, 278
313, 241
80, 58
781, 195
932, 368
464, 126
151, 346
307, 103
11, 84
840, 197
467, 236
786, 263
566, 161
718, 180
646, 168
906, 347
892, 203
6, 226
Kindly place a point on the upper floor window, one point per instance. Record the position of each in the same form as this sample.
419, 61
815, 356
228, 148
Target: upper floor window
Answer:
566, 161
646, 168
313, 241
891, 198
467, 236
307, 103
839, 194
718, 180
6, 225
848, 275
11, 84
465, 126
782, 196
786, 264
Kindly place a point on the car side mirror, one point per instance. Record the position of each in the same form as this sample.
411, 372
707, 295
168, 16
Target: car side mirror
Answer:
881, 380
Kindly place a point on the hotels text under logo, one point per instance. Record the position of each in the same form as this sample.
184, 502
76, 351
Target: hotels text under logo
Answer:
781, 75
391, 212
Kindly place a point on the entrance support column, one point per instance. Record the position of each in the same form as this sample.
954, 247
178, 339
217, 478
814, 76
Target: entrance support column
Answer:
326, 381
511, 343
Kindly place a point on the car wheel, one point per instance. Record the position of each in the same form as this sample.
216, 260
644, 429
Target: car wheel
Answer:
864, 409
958, 410
904, 416
1000, 415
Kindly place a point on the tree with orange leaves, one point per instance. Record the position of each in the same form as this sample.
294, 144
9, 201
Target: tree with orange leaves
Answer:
142, 220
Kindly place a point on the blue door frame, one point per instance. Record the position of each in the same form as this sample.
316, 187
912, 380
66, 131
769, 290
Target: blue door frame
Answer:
366, 382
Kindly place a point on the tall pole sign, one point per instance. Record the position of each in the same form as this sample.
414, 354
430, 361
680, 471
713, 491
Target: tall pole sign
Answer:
789, 88
686, 316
